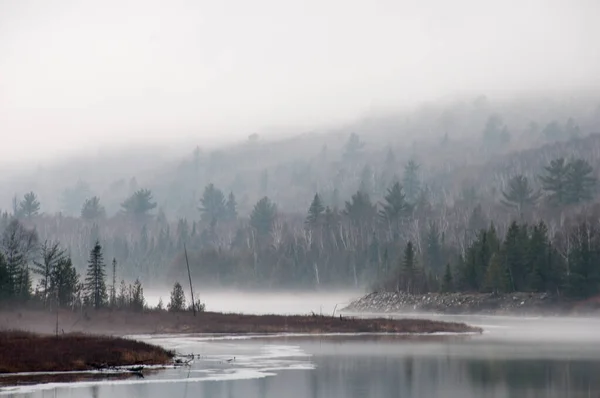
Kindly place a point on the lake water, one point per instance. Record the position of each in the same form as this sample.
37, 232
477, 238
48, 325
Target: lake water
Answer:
515, 357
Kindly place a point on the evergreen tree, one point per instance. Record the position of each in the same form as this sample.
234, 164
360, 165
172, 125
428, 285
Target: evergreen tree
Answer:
231, 208
139, 204
92, 209
123, 297
52, 255
520, 195
263, 216
353, 149
411, 181
315, 212
447, 282
495, 278
5, 280
177, 302
514, 256
360, 210
409, 268
583, 278
18, 245
29, 206
212, 204
137, 296
65, 282
113, 288
555, 182
95, 281
541, 261
581, 184
433, 249
394, 208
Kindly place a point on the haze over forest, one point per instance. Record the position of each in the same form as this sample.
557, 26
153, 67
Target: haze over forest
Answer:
308, 144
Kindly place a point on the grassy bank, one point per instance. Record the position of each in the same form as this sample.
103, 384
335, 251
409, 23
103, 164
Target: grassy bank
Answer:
125, 322
29, 352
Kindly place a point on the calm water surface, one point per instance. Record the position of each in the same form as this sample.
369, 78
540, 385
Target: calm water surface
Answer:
515, 358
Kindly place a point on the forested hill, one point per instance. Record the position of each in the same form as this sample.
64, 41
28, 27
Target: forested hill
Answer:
423, 201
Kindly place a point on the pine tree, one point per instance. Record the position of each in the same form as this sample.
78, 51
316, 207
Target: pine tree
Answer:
555, 182
212, 204
29, 206
177, 302
412, 183
95, 281
581, 184
433, 249
139, 204
52, 255
92, 209
315, 212
520, 195
263, 216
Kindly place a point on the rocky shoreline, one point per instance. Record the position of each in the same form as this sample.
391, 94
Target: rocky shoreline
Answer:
467, 303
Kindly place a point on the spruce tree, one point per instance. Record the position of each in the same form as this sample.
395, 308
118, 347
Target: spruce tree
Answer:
95, 281
495, 278
315, 212
137, 296
177, 302
65, 282
394, 208
359, 209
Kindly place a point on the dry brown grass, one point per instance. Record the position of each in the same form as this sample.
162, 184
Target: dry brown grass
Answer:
123, 322
28, 352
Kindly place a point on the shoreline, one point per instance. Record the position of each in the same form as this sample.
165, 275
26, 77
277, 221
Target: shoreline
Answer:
504, 304
27, 357
123, 323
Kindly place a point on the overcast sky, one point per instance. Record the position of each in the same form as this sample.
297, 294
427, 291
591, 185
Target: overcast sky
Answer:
74, 74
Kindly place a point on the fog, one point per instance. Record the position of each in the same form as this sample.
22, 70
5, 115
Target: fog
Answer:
288, 303
75, 76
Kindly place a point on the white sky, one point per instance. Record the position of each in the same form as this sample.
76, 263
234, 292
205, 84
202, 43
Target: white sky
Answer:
78, 74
